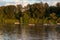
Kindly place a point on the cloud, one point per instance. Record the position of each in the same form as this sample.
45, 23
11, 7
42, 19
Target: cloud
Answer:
12, 0
10, 3
51, 2
1, 0
25, 2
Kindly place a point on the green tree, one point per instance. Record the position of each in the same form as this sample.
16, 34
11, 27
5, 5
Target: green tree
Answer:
53, 18
18, 13
2, 14
58, 20
9, 11
36, 11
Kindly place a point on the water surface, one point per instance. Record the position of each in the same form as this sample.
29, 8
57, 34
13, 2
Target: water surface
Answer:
26, 32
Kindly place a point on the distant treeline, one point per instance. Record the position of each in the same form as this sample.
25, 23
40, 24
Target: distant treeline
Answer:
32, 13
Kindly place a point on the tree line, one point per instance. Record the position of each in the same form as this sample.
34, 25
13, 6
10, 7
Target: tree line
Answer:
32, 13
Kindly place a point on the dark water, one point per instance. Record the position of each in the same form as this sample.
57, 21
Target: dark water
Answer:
26, 32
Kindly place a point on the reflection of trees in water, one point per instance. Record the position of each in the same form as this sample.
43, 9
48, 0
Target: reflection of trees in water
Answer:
58, 28
41, 31
10, 28
36, 31
53, 28
10, 31
33, 31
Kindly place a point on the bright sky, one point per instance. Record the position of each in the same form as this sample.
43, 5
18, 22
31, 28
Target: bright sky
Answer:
25, 2
11, 0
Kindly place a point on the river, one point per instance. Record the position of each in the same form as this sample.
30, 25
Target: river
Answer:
30, 32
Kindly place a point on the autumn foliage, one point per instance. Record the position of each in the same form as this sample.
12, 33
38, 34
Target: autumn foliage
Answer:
37, 13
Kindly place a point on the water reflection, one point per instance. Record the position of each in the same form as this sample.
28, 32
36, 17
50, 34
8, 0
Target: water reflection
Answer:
25, 32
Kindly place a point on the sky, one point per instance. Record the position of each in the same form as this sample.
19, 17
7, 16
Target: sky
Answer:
25, 2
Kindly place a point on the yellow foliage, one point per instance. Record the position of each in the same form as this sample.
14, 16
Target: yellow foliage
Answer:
31, 20
11, 21
58, 20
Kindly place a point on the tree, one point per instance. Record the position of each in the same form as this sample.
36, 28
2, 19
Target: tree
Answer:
58, 20
2, 14
36, 10
58, 4
53, 18
58, 9
18, 12
9, 11
46, 6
